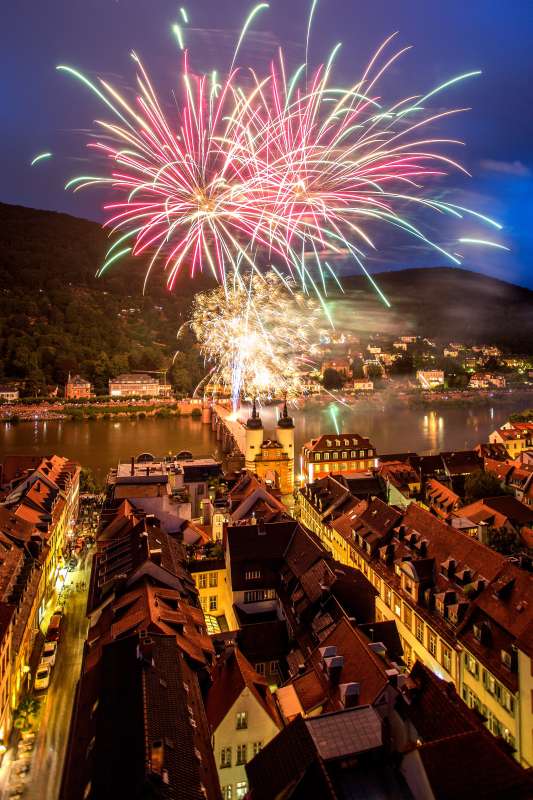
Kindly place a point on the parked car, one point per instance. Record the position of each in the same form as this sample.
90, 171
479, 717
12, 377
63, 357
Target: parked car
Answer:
48, 656
54, 628
42, 677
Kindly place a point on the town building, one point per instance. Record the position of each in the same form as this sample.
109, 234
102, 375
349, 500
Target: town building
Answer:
9, 393
433, 581
341, 365
514, 436
486, 380
345, 452
77, 387
430, 378
138, 385
363, 385
145, 622
243, 718
441, 499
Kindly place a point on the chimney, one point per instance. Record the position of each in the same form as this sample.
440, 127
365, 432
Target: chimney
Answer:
145, 648
133, 465
349, 693
334, 667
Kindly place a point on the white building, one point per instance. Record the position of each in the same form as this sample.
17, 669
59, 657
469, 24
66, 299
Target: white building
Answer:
243, 718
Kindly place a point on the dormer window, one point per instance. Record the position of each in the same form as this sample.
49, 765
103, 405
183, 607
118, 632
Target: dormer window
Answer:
477, 632
507, 659
346, 442
337, 442
329, 443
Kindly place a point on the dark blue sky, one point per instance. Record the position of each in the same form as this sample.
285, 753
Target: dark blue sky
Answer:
44, 110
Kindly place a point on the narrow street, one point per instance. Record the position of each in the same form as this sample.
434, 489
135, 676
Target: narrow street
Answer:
44, 779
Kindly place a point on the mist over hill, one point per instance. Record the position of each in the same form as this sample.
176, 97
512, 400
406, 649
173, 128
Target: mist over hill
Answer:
56, 317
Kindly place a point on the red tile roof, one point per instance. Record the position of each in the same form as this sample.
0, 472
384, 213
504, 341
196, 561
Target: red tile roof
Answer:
231, 675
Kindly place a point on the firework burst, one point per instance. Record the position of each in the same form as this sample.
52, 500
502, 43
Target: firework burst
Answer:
257, 337
285, 171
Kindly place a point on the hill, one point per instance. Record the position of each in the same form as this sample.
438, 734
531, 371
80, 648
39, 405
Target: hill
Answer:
56, 317
449, 304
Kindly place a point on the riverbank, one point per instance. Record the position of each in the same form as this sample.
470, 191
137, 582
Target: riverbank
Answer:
60, 410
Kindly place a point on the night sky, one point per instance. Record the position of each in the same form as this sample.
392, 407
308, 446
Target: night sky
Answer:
45, 110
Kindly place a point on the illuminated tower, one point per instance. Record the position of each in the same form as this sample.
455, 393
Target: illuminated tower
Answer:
254, 439
285, 436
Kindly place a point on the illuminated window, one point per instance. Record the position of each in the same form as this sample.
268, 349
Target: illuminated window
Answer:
202, 580
335, 455
345, 455
225, 757
446, 657
227, 792
326, 456
213, 602
213, 579
257, 747
397, 606
407, 617
432, 644
241, 754
242, 720
252, 574
241, 788
419, 629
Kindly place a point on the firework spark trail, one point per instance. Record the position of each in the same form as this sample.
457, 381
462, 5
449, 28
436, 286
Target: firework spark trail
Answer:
278, 174
258, 336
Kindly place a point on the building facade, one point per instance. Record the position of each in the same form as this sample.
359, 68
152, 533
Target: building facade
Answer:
77, 388
133, 385
345, 452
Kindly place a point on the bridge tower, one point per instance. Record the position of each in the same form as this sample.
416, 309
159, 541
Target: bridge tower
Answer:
254, 438
285, 436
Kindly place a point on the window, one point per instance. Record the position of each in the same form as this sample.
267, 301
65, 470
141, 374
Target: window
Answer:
241, 787
407, 653
419, 629
344, 455
241, 754
252, 574
242, 720
446, 658
326, 456
225, 757
227, 792
213, 579
507, 659
432, 644
408, 617
397, 606
388, 597
317, 456
273, 667
202, 580
471, 665
361, 453
335, 455
258, 595
353, 454
260, 668
257, 747
213, 603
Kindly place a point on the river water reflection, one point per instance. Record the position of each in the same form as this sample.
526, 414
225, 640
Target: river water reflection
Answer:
101, 444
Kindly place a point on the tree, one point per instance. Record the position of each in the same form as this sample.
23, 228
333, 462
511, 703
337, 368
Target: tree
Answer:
403, 365
88, 483
373, 372
503, 541
332, 379
480, 484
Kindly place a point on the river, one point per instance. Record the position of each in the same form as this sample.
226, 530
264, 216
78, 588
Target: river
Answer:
103, 443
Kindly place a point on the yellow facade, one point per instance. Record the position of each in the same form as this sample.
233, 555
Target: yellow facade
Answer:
214, 594
273, 464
